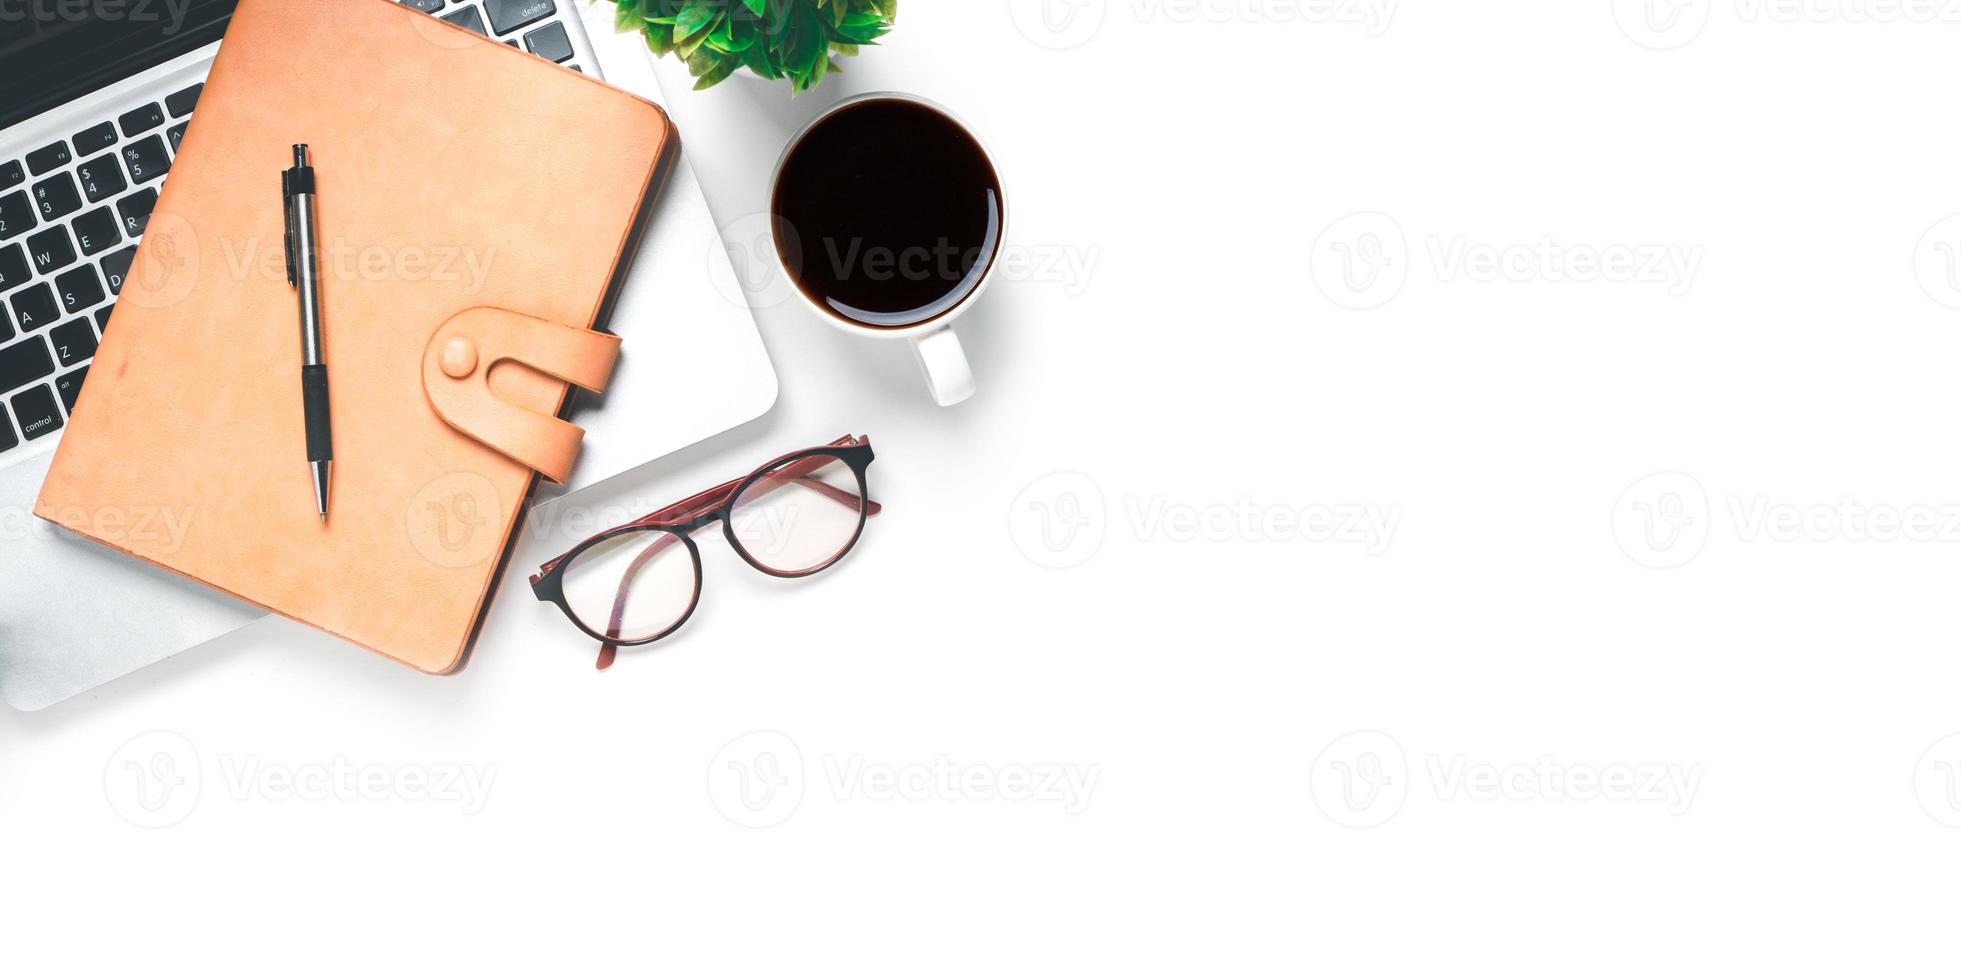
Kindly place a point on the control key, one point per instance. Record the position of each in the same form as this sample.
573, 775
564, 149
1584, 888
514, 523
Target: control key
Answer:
36, 412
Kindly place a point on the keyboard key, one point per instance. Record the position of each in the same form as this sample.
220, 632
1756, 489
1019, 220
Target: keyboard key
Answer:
7, 438
96, 230
102, 319
115, 267
57, 197
135, 210
549, 42
426, 6
467, 17
16, 215
576, 68
102, 178
181, 103
48, 157
11, 173
69, 387
13, 268
24, 362
34, 307
80, 289
509, 15
51, 249
176, 134
36, 412
74, 342
95, 138
146, 159
141, 120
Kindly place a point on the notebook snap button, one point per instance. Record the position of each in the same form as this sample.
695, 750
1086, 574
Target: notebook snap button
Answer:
459, 357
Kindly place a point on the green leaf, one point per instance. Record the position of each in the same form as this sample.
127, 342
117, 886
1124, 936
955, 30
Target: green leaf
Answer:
627, 16
795, 40
697, 18
711, 67
742, 34
756, 59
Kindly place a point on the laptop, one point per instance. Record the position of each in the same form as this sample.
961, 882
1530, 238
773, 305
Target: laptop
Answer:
96, 99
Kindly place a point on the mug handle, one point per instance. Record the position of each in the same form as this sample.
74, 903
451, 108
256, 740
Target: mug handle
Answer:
945, 363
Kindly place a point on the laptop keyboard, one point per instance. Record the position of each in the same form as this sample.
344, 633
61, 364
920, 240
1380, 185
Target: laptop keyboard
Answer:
71, 213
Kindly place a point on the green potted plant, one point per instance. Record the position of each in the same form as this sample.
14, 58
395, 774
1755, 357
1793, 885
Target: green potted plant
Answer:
796, 40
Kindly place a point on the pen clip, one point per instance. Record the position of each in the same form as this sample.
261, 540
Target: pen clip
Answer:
292, 259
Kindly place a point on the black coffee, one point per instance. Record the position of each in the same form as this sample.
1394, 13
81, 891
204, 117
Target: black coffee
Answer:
890, 213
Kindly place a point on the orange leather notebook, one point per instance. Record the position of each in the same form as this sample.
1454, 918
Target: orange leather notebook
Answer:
476, 208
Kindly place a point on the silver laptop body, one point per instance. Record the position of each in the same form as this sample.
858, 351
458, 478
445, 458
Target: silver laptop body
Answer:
74, 615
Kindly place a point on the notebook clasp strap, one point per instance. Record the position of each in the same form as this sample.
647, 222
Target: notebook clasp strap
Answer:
456, 377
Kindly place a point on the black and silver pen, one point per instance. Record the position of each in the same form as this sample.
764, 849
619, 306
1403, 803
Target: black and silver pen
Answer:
303, 271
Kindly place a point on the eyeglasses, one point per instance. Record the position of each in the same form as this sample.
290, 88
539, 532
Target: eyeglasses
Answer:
795, 515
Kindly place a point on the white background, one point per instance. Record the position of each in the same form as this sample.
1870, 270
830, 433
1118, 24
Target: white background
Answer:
1546, 612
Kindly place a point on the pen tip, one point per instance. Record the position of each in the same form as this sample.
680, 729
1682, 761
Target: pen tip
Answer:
322, 474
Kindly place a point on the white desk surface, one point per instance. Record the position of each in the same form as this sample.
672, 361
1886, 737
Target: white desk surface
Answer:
1583, 764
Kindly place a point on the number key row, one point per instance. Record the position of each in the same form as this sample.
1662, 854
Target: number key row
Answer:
16, 215
101, 177
57, 197
146, 159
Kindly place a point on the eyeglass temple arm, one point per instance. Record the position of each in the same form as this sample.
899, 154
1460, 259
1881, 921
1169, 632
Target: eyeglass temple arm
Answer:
608, 651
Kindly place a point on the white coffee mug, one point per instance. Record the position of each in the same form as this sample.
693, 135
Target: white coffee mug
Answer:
934, 343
